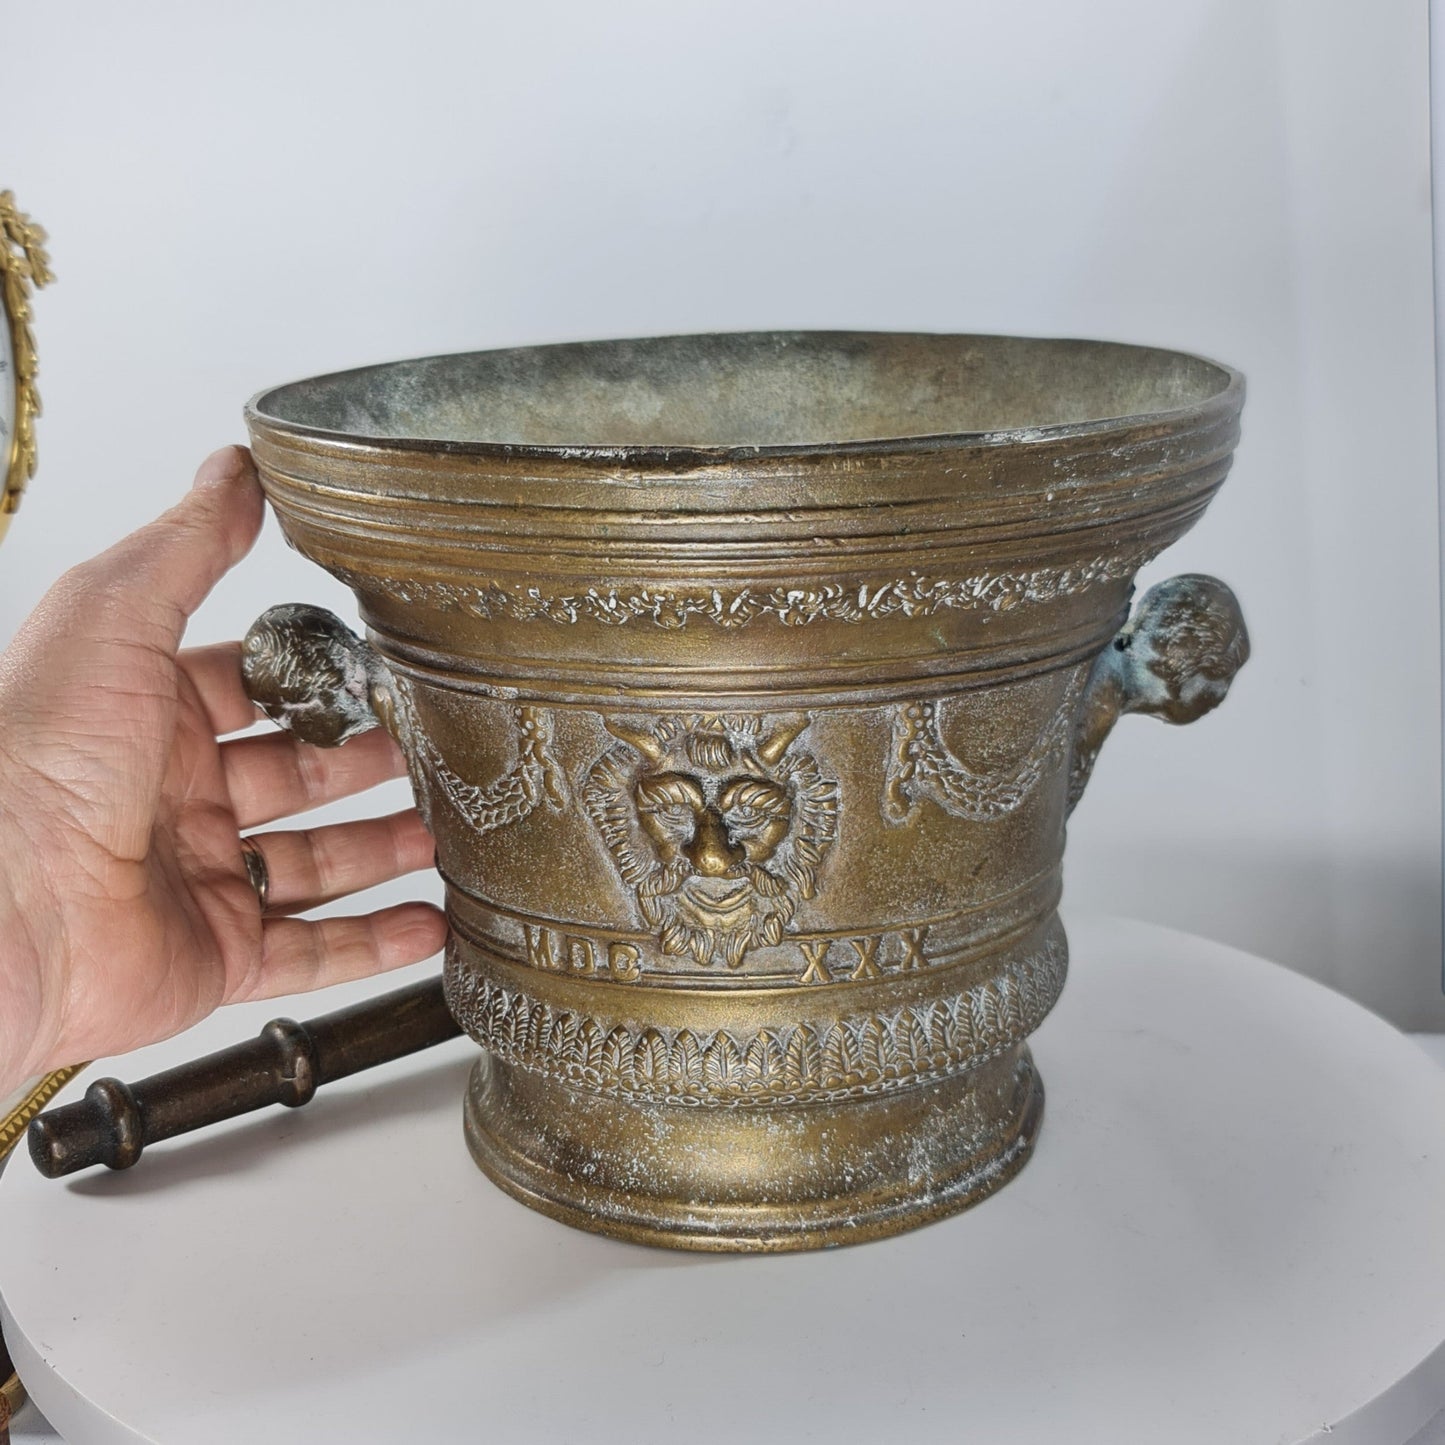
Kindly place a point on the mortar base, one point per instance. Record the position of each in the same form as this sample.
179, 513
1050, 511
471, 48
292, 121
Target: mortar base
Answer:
797, 1177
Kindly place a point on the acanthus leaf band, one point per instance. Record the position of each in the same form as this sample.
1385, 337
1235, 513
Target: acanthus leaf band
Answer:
853, 1056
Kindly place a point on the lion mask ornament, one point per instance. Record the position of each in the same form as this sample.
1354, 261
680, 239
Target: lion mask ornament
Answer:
718, 823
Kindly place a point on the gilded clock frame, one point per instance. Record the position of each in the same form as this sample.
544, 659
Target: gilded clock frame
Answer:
24, 266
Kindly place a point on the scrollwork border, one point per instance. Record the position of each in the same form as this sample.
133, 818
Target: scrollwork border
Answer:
850, 602
24, 263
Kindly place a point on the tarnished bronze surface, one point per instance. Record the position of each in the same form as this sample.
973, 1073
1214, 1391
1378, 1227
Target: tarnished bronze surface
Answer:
746, 682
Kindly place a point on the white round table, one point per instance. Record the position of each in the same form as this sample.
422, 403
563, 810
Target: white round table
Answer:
1233, 1230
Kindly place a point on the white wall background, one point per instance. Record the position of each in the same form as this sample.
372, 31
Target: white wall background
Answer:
240, 195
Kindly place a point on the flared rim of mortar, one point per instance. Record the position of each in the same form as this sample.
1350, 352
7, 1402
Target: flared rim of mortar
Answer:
722, 382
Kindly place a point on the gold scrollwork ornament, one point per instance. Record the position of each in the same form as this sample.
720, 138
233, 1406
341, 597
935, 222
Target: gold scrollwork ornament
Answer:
24, 265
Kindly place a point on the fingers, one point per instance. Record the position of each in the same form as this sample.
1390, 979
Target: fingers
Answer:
301, 954
215, 673
275, 776
162, 573
316, 865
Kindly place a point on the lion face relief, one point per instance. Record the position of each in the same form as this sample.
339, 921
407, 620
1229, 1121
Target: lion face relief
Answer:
719, 825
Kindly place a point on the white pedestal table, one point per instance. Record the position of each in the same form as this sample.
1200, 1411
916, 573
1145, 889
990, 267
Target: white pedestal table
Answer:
1232, 1230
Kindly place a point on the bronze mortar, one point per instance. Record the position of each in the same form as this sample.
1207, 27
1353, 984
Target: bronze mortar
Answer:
747, 682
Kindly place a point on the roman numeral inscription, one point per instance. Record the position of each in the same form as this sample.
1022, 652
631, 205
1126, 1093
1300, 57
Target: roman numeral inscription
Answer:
913, 956
813, 961
814, 952
867, 965
556, 952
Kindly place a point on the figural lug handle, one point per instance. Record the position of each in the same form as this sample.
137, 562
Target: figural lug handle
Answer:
311, 673
1174, 659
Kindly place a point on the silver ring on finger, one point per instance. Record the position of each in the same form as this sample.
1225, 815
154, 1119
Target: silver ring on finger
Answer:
256, 871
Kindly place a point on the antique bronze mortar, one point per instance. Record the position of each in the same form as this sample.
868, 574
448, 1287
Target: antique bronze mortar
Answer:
746, 682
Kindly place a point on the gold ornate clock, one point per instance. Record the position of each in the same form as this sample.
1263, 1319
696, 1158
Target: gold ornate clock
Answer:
24, 265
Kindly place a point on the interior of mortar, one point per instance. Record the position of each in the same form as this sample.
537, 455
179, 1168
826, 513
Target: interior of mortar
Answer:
756, 389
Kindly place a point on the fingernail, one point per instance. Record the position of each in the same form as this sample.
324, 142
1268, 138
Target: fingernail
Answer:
222, 466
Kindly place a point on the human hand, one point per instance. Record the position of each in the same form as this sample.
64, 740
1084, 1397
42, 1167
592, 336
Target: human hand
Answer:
126, 913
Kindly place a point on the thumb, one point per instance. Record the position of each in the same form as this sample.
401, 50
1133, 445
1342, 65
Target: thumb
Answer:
167, 568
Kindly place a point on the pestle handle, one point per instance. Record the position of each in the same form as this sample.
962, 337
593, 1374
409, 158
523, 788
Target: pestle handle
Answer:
285, 1064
